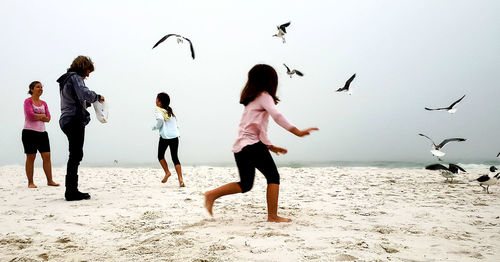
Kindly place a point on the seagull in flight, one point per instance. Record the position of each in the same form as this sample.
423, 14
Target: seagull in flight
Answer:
486, 180
180, 39
282, 31
346, 86
447, 172
498, 155
436, 148
450, 109
295, 71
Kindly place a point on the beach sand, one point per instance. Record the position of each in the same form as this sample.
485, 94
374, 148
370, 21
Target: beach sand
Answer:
338, 214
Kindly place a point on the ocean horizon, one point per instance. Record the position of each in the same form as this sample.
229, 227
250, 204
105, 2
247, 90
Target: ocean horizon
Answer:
466, 164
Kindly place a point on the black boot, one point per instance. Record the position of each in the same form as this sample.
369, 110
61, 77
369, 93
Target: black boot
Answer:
76, 195
72, 193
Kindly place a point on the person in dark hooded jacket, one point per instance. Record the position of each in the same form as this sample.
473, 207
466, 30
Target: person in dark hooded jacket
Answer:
75, 98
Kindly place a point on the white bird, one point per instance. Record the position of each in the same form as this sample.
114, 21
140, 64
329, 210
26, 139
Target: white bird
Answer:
179, 40
450, 109
282, 31
486, 180
436, 148
448, 172
294, 71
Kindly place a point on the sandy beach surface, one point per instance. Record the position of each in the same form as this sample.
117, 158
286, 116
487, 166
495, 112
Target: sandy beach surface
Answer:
339, 214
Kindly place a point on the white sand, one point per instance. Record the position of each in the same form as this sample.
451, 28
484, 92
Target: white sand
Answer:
339, 214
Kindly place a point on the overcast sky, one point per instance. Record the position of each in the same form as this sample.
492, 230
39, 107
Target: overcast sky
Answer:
407, 55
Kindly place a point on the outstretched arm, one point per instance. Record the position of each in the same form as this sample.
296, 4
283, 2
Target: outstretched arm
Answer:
269, 106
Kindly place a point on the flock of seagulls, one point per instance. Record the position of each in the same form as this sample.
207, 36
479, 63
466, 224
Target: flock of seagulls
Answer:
452, 170
448, 172
281, 34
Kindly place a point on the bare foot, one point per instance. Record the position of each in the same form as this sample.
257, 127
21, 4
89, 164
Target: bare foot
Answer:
52, 183
181, 184
164, 180
32, 186
209, 203
278, 219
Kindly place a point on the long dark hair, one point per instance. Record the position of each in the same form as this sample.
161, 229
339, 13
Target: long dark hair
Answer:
165, 103
81, 64
260, 78
32, 86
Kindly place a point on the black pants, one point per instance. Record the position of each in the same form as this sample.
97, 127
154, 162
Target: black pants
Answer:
75, 132
163, 144
255, 156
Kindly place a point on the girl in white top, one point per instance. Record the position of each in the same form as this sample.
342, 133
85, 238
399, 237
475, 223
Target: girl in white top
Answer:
166, 123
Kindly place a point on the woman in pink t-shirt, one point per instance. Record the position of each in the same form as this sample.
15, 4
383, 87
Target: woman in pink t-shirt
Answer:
251, 149
34, 136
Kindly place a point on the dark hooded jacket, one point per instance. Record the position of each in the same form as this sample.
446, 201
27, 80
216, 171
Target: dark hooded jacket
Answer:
75, 98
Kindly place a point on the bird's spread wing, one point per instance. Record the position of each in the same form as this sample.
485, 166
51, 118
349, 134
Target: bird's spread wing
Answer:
348, 82
163, 39
427, 138
456, 102
430, 109
340, 89
498, 155
450, 140
436, 167
190, 46
287, 69
298, 72
457, 167
283, 27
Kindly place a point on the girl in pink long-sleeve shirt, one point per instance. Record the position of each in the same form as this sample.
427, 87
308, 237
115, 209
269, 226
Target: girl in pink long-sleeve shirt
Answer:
34, 136
251, 149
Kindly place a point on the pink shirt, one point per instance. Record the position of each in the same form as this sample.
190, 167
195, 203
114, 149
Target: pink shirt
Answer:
253, 125
30, 110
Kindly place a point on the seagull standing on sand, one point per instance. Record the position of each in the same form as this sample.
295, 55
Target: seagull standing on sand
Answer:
486, 180
295, 71
179, 40
450, 109
447, 172
436, 148
346, 86
282, 31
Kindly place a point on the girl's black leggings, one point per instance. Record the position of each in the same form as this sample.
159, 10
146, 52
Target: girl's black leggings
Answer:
255, 156
174, 146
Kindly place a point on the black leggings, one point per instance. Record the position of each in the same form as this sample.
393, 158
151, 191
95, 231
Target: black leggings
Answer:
174, 146
75, 131
255, 156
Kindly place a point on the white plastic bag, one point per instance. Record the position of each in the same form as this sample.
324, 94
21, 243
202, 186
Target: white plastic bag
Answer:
101, 111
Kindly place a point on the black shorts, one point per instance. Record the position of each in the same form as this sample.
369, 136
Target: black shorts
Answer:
34, 140
255, 156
